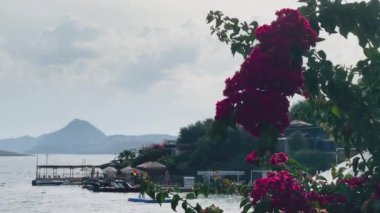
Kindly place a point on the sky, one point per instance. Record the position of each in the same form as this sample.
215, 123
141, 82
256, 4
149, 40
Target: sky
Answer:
126, 66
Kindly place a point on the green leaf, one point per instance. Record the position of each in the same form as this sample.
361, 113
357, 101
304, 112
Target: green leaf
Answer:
233, 49
333, 172
210, 17
350, 76
348, 176
245, 26
175, 201
319, 177
319, 39
243, 202
151, 192
361, 166
160, 197
205, 190
371, 53
191, 196
218, 22
335, 110
246, 208
227, 26
322, 54
184, 205
198, 208
254, 24
143, 187
340, 172
344, 30
355, 163
234, 20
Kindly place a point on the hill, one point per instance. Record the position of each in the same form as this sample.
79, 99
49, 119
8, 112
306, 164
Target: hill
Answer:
21, 144
79, 137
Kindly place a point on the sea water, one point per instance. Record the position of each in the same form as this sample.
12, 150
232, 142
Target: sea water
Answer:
18, 195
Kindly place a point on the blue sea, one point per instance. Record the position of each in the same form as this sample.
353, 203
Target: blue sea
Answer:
18, 195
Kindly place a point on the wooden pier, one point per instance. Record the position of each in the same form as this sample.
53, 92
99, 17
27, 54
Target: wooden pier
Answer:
65, 174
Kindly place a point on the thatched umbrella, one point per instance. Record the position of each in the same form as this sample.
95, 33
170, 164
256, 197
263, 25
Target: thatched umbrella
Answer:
127, 170
151, 166
154, 169
110, 171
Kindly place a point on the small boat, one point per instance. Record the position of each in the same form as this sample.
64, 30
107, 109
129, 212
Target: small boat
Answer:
113, 189
147, 200
113, 186
47, 182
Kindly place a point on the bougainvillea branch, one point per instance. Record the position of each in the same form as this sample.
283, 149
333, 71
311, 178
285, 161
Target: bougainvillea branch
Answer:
256, 96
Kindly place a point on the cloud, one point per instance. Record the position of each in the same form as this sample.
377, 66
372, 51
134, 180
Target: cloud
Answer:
69, 41
152, 68
60, 43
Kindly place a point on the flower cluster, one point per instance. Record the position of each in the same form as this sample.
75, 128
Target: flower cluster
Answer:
290, 31
286, 193
278, 159
223, 109
353, 183
325, 199
283, 191
256, 95
252, 157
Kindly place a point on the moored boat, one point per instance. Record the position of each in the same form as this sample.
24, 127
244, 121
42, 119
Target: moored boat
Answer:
147, 200
113, 186
47, 182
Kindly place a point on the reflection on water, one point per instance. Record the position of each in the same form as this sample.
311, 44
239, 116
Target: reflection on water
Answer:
18, 195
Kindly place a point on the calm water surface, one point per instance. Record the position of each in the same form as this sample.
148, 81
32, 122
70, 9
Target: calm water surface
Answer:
18, 195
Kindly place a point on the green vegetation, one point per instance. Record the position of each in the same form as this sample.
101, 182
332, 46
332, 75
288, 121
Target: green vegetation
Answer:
125, 158
304, 111
198, 149
314, 160
297, 141
205, 151
302, 151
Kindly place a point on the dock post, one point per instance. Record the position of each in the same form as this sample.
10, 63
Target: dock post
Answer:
37, 167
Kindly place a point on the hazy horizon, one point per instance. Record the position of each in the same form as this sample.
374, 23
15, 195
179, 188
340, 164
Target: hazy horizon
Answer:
76, 119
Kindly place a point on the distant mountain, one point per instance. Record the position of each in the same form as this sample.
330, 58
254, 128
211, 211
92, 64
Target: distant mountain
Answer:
80, 137
6, 153
76, 137
21, 144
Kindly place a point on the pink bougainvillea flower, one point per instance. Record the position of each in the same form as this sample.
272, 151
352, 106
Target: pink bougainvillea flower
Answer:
324, 199
252, 158
287, 194
283, 190
353, 183
223, 109
257, 93
278, 159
